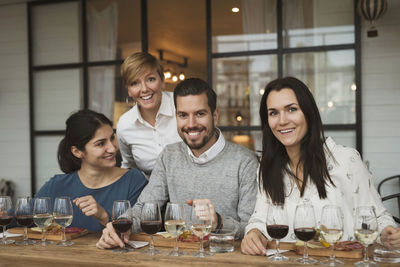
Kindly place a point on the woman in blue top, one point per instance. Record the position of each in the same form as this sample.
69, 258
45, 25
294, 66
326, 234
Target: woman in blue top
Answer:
87, 156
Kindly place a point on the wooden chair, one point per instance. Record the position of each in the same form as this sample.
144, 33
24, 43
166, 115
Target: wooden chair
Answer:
396, 195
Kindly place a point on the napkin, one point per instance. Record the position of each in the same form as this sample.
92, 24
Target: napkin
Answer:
10, 235
137, 244
272, 251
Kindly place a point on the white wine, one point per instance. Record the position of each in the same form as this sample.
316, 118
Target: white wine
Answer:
175, 227
366, 236
43, 220
63, 220
201, 230
332, 235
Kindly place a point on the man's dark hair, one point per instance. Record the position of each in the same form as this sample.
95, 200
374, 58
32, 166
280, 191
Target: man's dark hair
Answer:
196, 86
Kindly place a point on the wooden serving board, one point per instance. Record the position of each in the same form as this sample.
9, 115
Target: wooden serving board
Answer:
282, 245
53, 237
326, 252
161, 241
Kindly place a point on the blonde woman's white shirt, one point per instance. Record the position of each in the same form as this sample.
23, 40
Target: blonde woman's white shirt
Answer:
354, 187
140, 143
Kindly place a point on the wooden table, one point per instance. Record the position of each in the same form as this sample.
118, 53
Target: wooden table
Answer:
84, 253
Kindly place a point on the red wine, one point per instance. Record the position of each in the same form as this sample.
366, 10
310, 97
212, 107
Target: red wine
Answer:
150, 227
277, 231
6, 220
25, 220
305, 234
122, 225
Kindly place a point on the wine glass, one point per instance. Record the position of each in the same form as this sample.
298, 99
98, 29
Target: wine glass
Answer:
277, 228
366, 231
122, 221
63, 215
150, 222
304, 228
6, 217
42, 217
24, 216
331, 230
175, 224
201, 225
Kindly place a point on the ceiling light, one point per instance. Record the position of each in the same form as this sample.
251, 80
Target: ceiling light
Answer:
330, 104
167, 74
174, 78
353, 87
235, 9
181, 76
262, 91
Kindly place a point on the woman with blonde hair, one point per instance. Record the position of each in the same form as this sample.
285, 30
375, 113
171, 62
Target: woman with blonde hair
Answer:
150, 125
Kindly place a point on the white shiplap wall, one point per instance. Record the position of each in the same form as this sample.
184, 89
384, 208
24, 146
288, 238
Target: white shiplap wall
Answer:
14, 97
381, 98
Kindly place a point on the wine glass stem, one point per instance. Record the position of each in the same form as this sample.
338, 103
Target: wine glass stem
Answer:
365, 253
305, 254
277, 247
122, 239
151, 243
332, 257
43, 236
4, 234
63, 235
25, 233
201, 245
176, 245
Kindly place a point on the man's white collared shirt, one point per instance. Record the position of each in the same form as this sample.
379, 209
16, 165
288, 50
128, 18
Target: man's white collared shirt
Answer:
211, 153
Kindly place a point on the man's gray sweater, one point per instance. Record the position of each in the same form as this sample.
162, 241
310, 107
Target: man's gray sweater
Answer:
229, 180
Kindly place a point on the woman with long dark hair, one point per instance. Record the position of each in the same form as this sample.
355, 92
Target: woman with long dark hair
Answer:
87, 157
299, 164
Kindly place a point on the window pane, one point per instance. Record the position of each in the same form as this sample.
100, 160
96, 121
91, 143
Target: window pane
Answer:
252, 28
250, 139
331, 78
56, 33
114, 29
239, 83
179, 29
107, 93
46, 158
314, 23
57, 94
345, 138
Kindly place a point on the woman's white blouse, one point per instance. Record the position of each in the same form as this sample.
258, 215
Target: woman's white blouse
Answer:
354, 188
140, 143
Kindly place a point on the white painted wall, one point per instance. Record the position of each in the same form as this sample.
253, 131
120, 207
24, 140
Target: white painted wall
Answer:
381, 98
14, 97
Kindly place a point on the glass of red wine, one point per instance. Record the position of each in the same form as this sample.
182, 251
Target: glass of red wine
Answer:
24, 217
122, 221
305, 228
6, 217
277, 228
150, 222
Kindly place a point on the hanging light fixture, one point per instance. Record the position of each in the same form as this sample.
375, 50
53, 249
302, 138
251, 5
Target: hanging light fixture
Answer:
372, 10
174, 78
167, 74
181, 76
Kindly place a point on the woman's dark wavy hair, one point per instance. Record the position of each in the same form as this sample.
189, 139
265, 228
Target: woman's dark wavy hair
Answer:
274, 160
81, 127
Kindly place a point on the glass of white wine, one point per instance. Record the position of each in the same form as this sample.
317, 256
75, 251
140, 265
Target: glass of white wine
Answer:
63, 215
42, 217
331, 230
200, 225
175, 224
24, 217
365, 231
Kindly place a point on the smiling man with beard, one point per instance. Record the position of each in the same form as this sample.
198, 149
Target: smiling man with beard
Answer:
203, 168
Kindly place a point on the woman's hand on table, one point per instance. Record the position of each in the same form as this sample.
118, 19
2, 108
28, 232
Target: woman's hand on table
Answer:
110, 238
390, 237
254, 243
90, 207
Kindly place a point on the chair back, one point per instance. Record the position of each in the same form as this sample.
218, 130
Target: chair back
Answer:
396, 195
